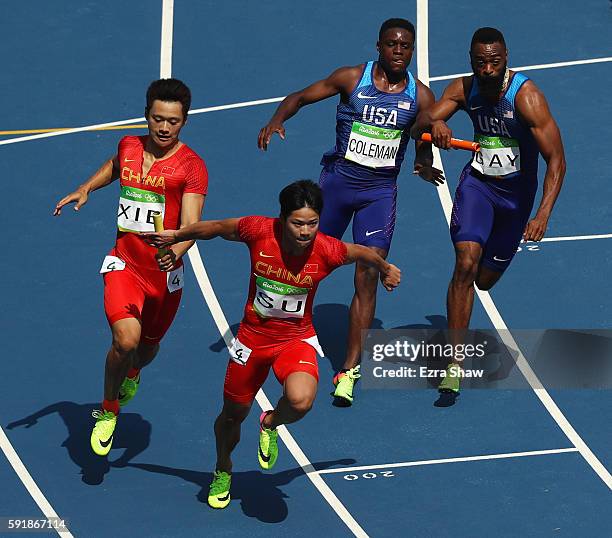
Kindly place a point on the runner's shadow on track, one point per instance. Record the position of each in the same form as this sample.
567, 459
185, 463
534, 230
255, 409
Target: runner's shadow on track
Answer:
133, 434
331, 322
260, 494
219, 346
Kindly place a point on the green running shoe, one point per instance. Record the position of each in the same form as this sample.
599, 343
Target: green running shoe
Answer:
219, 492
102, 434
450, 382
344, 382
128, 389
268, 446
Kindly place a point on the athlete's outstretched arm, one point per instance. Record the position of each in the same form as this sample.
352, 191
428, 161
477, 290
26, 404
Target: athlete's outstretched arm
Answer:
533, 108
433, 119
204, 229
106, 174
191, 212
390, 275
340, 81
423, 160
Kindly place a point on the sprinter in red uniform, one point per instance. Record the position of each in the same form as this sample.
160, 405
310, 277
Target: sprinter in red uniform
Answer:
142, 287
288, 260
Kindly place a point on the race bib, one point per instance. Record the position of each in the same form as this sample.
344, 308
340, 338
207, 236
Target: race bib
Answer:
175, 279
498, 156
372, 146
112, 263
137, 208
277, 300
239, 352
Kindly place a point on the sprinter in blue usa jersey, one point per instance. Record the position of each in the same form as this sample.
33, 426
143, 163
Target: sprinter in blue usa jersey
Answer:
496, 191
379, 101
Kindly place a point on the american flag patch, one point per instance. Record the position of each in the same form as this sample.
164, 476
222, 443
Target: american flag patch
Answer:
403, 105
311, 268
508, 114
167, 171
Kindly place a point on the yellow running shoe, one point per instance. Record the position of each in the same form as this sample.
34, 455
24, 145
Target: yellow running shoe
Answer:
102, 434
128, 389
219, 492
345, 381
268, 444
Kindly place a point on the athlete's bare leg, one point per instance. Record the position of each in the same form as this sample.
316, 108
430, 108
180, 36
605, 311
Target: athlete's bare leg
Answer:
145, 355
227, 432
299, 393
460, 297
121, 356
362, 309
487, 278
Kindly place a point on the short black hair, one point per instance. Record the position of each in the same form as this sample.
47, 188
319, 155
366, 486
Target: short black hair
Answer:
169, 90
487, 35
396, 23
299, 194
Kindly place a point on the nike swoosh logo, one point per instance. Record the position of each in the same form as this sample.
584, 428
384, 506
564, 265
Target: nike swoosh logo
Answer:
361, 96
223, 498
107, 442
265, 255
476, 107
306, 362
126, 160
368, 234
263, 456
499, 259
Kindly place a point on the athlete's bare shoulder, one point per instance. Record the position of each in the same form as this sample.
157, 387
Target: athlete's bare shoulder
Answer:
529, 94
532, 105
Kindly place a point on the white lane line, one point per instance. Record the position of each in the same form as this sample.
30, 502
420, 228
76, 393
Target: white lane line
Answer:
237, 105
531, 67
573, 238
69, 131
137, 120
226, 332
502, 328
165, 56
507, 455
422, 60
28, 482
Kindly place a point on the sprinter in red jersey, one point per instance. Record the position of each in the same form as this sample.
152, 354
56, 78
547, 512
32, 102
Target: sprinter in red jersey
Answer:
142, 287
288, 260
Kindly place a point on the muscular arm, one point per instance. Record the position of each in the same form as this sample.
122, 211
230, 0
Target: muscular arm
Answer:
426, 99
433, 119
423, 159
342, 81
191, 212
389, 274
204, 229
105, 175
533, 108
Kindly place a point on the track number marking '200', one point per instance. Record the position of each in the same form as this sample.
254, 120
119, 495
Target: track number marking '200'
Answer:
369, 476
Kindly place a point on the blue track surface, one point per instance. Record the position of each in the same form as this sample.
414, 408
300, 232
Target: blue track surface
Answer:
73, 64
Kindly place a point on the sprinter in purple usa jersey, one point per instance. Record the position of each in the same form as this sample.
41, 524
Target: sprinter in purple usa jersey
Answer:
497, 188
379, 101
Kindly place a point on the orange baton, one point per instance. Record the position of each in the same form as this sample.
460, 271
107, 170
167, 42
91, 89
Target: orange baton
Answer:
455, 143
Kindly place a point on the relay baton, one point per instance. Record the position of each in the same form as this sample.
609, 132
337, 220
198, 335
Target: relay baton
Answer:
455, 143
158, 222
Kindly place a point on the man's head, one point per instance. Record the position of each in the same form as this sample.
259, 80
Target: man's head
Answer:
301, 205
168, 102
395, 45
489, 58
